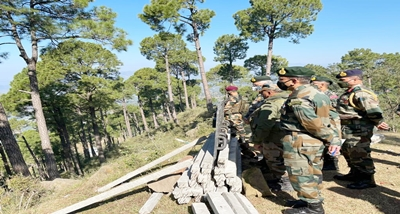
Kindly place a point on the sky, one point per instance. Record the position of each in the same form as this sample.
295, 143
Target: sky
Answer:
341, 26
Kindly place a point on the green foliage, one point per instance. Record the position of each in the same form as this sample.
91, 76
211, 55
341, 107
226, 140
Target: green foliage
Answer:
229, 48
222, 74
66, 19
277, 19
257, 64
178, 13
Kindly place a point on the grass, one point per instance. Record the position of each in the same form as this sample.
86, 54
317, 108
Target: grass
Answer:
143, 149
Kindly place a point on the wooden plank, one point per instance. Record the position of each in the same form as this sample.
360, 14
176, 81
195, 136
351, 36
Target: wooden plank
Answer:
234, 203
200, 208
123, 188
151, 203
250, 209
147, 166
218, 203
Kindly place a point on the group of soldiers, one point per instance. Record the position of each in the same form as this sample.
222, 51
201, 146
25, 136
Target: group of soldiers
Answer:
301, 127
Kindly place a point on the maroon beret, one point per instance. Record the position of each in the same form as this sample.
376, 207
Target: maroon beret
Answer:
231, 88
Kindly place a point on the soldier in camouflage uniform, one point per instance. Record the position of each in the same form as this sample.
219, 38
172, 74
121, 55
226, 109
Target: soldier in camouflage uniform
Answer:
258, 82
306, 122
232, 113
322, 84
266, 129
359, 112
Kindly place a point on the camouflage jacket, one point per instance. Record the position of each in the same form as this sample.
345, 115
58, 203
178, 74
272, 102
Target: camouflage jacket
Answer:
359, 103
333, 97
254, 105
307, 110
232, 105
264, 123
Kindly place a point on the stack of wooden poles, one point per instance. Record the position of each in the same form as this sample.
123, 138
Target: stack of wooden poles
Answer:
212, 171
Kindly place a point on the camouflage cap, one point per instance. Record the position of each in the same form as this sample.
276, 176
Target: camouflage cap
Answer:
295, 71
231, 88
323, 79
260, 78
350, 73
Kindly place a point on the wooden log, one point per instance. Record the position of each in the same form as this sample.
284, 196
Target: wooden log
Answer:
200, 208
151, 203
218, 203
147, 167
246, 204
234, 203
124, 187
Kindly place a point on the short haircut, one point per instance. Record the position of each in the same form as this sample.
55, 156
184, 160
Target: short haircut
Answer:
304, 80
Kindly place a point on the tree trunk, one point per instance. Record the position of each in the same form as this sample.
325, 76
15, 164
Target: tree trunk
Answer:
230, 72
42, 173
136, 123
171, 103
51, 165
146, 127
97, 137
269, 56
5, 161
84, 141
65, 154
64, 137
11, 146
127, 123
185, 89
168, 112
92, 151
105, 122
77, 161
164, 114
207, 93
156, 125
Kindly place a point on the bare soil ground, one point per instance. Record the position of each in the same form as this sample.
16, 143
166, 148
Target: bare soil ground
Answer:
338, 199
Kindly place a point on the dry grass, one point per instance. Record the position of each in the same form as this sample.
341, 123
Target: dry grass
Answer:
383, 199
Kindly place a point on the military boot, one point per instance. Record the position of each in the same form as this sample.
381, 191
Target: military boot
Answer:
311, 208
352, 176
296, 203
366, 181
245, 148
330, 163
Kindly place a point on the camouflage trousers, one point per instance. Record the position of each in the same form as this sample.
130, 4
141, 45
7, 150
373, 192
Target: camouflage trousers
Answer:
237, 123
273, 155
356, 149
302, 157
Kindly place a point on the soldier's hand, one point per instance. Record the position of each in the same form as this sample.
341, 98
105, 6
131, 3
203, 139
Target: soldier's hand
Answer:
258, 147
383, 126
334, 150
